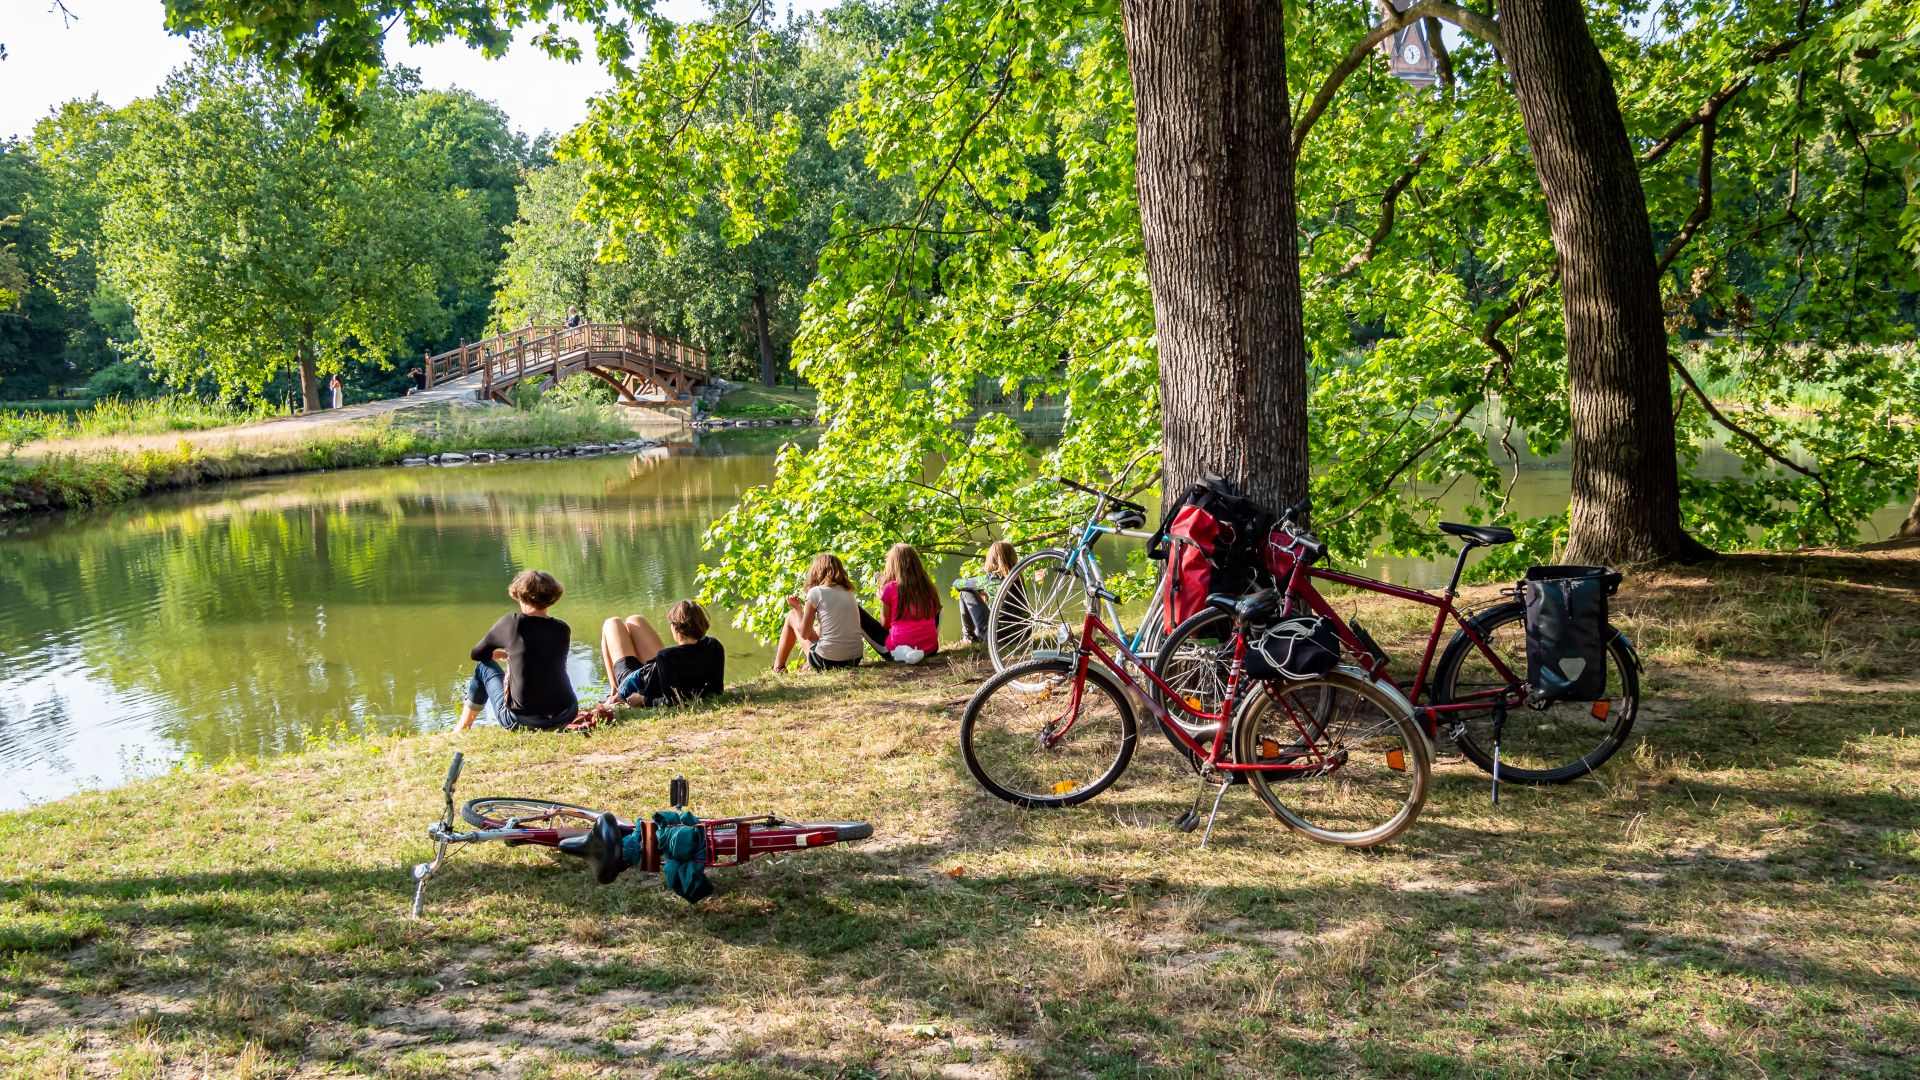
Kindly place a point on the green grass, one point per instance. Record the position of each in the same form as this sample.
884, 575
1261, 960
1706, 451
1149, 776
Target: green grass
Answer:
117, 416
1738, 893
81, 480
755, 402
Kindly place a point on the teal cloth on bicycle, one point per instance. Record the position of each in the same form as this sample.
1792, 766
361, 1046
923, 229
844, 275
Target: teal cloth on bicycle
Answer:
683, 854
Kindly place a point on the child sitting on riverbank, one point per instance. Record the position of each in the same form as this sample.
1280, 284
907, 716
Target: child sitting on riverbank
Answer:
826, 616
643, 670
976, 592
533, 690
909, 627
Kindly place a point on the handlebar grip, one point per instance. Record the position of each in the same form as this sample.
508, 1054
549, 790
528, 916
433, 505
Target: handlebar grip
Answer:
1294, 512
453, 770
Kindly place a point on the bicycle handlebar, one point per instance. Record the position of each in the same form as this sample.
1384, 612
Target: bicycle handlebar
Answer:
1107, 495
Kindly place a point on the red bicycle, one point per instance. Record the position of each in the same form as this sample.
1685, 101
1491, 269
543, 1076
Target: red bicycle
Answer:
1476, 694
610, 845
1058, 730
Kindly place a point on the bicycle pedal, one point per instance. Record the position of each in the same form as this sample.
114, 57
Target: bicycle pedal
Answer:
1187, 822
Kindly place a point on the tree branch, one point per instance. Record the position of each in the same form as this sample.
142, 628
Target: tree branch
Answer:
1466, 19
1702, 209
1712, 106
1388, 203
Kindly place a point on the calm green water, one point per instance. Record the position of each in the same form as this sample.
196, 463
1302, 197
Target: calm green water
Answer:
250, 617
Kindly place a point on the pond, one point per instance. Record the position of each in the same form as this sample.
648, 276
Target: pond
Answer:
255, 617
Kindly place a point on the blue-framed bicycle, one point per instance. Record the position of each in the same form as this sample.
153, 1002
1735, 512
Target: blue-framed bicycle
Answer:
1040, 606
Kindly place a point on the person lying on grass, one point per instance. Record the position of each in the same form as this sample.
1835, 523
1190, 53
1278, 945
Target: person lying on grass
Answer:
826, 617
643, 670
533, 691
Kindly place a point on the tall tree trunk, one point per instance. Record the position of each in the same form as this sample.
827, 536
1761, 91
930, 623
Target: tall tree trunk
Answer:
1626, 485
768, 376
309, 382
1911, 526
1215, 173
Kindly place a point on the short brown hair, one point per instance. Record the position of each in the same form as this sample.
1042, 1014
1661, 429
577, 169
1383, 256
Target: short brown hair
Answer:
535, 588
827, 569
688, 619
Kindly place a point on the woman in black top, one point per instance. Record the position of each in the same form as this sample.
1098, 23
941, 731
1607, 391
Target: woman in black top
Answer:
645, 671
533, 691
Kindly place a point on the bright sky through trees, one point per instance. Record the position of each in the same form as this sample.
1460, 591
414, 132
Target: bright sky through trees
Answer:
120, 50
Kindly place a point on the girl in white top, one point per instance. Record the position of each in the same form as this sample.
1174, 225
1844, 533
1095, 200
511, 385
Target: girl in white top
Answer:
827, 618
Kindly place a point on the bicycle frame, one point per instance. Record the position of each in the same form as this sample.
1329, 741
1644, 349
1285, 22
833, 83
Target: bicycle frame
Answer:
1299, 575
1090, 649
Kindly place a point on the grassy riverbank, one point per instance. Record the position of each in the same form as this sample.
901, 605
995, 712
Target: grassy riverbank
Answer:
756, 402
1737, 893
54, 479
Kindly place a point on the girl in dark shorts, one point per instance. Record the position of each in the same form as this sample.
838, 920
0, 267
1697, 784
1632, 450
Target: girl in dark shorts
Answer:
533, 690
643, 670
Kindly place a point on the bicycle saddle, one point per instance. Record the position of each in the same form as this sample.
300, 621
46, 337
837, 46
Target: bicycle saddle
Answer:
1247, 609
600, 846
1478, 535
1126, 517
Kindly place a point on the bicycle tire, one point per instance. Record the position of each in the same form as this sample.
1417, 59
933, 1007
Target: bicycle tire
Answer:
495, 813
1361, 785
1537, 746
1015, 629
1013, 718
844, 831
1188, 661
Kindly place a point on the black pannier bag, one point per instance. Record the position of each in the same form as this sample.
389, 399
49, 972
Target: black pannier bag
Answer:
1567, 631
1303, 647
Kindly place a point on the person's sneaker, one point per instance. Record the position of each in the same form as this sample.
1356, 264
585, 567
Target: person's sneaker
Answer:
907, 654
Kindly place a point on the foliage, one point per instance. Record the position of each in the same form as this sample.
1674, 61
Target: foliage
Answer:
249, 240
117, 416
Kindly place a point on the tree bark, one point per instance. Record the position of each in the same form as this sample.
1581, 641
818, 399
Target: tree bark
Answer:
309, 381
1626, 486
1911, 527
768, 375
1215, 174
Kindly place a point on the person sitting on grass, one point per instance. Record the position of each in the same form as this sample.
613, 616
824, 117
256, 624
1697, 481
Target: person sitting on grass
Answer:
826, 616
533, 691
909, 628
976, 592
643, 670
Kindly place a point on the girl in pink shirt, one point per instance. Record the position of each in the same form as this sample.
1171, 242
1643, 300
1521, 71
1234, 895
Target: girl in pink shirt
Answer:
909, 627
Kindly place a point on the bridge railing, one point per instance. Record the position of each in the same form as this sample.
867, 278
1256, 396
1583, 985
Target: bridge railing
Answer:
538, 350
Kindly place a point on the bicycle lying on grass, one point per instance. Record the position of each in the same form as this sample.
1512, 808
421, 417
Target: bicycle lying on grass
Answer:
675, 841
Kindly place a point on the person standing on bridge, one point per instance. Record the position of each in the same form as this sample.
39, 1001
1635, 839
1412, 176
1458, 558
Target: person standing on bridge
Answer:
573, 317
339, 391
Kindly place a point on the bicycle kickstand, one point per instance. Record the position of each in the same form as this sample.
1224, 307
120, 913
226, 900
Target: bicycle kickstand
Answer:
1225, 783
1499, 721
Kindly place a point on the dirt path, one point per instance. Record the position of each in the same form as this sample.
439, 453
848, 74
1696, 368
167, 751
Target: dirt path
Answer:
291, 429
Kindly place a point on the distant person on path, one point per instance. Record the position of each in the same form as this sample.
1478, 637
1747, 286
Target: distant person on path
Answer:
573, 318
643, 670
339, 391
533, 691
826, 616
909, 627
976, 592
419, 380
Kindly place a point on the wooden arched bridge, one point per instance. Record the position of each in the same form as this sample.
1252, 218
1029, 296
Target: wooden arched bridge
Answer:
645, 367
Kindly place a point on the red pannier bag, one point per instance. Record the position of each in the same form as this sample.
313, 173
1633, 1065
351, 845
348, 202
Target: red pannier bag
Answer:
1220, 536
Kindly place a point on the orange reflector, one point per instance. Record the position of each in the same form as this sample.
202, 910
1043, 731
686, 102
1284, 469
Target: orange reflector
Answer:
1064, 786
1600, 708
1397, 760
1269, 749
1193, 703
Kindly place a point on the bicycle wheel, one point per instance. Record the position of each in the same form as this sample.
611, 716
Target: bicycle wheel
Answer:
1548, 745
1023, 743
1364, 763
528, 814
1040, 606
1194, 661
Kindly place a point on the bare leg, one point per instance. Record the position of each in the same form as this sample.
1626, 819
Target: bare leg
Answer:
789, 637
646, 640
614, 644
